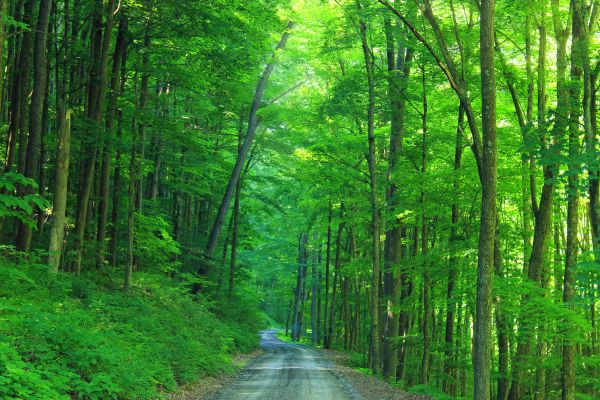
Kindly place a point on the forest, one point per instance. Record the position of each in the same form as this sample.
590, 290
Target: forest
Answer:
411, 182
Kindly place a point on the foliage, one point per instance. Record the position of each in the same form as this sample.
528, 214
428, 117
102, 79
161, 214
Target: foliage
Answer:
19, 206
65, 337
154, 244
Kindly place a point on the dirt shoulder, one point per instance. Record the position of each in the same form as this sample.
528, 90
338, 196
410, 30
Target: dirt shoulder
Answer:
207, 387
369, 387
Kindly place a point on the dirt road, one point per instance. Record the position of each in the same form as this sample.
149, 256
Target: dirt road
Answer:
288, 372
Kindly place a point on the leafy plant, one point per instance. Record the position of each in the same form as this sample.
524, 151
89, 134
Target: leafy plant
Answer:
20, 206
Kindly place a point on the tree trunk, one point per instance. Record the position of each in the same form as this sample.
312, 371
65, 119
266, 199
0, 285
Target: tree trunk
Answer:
302, 241
424, 245
392, 246
94, 110
131, 208
3, 11
375, 345
326, 337
543, 211
336, 277
502, 329
449, 366
236, 218
482, 347
579, 52
20, 87
108, 144
314, 280
237, 169
141, 126
42, 176
116, 200
57, 232
224, 255
38, 95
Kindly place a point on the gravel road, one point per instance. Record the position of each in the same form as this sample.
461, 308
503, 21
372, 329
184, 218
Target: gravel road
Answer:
288, 372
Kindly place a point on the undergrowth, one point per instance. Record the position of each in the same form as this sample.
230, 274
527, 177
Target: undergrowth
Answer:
68, 337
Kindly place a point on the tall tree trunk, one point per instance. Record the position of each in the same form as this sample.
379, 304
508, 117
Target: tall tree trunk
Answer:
94, 110
42, 176
224, 255
141, 126
108, 141
326, 313
541, 118
502, 329
314, 280
116, 190
20, 87
375, 345
57, 231
38, 95
236, 219
423, 378
296, 323
336, 278
237, 169
482, 347
449, 365
131, 214
591, 141
319, 300
3, 11
392, 247
591, 148
579, 52
543, 210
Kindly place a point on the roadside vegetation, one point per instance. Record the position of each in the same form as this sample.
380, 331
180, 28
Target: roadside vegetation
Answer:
64, 336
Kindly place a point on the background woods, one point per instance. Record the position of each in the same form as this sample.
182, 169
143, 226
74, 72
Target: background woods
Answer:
413, 182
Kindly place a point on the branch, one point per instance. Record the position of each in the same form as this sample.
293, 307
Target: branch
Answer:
425, 43
450, 71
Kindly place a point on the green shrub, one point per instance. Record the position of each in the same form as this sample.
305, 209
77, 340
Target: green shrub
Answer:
63, 337
20, 207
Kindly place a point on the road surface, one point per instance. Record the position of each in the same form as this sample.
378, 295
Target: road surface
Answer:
288, 371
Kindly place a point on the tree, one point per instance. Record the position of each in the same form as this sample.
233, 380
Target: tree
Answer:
483, 318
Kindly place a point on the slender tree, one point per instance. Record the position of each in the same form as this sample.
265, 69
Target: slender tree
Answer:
482, 346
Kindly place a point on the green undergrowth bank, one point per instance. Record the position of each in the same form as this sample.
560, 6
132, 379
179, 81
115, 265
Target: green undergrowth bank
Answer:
64, 337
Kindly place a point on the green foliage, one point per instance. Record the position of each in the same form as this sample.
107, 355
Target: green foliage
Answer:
243, 314
153, 242
64, 337
431, 391
19, 206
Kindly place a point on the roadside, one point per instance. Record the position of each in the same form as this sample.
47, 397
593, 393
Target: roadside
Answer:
369, 387
206, 388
